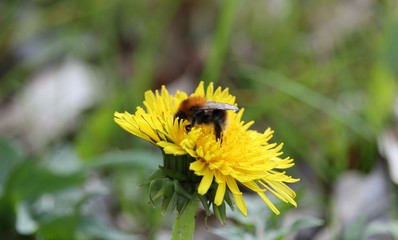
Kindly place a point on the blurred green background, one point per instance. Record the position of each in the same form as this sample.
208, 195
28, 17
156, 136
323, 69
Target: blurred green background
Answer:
322, 74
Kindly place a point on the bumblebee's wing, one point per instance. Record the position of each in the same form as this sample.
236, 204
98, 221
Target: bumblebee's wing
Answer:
220, 106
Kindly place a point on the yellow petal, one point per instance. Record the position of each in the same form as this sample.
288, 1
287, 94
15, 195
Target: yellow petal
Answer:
240, 202
269, 203
219, 198
209, 91
232, 186
197, 166
171, 148
200, 90
205, 183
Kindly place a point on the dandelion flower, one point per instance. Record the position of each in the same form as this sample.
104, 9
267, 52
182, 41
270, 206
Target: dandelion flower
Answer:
215, 166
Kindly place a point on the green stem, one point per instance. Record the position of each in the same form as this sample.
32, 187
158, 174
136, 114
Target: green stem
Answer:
184, 224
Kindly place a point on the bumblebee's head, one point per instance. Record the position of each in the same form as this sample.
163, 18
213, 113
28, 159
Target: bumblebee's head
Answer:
188, 107
180, 115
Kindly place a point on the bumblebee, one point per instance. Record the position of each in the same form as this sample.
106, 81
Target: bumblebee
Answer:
197, 110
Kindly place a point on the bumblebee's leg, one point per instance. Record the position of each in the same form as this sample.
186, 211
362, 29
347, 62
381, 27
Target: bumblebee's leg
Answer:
217, 129
219, 117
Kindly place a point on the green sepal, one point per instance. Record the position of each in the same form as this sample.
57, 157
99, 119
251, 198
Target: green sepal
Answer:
205, 203
157, 195
181, 203
181, 190
172, 174
223, 212
173, 202
220, 212
167, 195
151, 200
227, 199
158, 174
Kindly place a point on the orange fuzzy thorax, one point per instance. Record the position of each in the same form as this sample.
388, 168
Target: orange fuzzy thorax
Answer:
190, 102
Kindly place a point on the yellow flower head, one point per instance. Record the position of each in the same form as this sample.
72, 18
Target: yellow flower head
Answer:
241, 155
